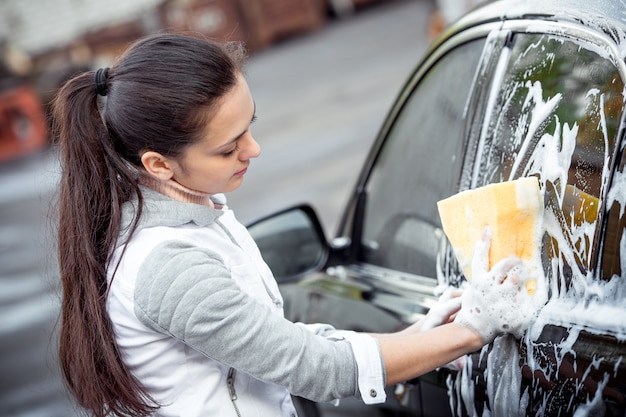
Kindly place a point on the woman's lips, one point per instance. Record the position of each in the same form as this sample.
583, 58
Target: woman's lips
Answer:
240, 173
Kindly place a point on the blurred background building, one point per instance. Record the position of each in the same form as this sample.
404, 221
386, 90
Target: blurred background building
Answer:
44, 42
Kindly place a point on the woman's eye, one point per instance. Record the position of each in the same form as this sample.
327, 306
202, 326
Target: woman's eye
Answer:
232, 151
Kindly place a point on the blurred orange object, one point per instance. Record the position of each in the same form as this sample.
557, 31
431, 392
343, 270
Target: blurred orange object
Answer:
23, 126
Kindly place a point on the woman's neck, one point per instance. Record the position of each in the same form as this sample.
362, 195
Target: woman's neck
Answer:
175, 190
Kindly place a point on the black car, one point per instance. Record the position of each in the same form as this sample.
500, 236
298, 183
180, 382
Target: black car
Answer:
513, 89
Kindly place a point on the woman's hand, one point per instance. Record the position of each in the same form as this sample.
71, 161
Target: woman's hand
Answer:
496, 302
444, 310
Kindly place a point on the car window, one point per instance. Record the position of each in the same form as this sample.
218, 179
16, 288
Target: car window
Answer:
556, 116
418, 165
555, 113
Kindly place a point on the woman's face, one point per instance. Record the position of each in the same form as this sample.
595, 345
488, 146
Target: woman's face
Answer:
218, 162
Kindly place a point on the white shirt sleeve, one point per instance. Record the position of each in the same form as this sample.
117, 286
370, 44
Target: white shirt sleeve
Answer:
370, 366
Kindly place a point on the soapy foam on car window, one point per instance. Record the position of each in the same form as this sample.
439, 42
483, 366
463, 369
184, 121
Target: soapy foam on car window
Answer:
589, 304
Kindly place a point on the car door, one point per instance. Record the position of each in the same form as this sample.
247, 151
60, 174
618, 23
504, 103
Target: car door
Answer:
555, 111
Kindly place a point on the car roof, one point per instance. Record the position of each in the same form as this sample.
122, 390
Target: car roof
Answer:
604, 16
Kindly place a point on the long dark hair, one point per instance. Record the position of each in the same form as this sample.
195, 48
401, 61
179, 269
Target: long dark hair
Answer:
159, 97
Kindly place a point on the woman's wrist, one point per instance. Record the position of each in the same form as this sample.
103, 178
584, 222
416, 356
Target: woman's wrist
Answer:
473, 339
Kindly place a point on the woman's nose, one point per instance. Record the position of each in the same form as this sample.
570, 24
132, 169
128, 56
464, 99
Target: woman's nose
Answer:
251, 148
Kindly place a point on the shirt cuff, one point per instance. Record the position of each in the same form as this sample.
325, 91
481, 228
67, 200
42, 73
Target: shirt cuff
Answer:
371, 371
319, 329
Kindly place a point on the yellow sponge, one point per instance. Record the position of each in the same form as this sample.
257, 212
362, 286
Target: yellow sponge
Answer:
514, 212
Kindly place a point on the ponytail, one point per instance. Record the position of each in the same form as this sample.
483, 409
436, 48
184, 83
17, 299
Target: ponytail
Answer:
94, 184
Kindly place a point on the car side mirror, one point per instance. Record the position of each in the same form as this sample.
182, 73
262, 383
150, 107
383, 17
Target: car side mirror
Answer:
291, 242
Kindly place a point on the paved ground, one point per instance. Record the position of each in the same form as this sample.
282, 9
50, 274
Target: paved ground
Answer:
320, 98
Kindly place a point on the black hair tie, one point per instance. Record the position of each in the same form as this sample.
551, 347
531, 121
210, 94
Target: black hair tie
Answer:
102, 87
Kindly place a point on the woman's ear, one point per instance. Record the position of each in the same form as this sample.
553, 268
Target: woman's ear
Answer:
157, 165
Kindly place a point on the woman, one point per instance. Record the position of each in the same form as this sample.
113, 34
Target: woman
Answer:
168, 308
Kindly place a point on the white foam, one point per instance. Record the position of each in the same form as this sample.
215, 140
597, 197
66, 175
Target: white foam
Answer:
617, 197
583, 303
